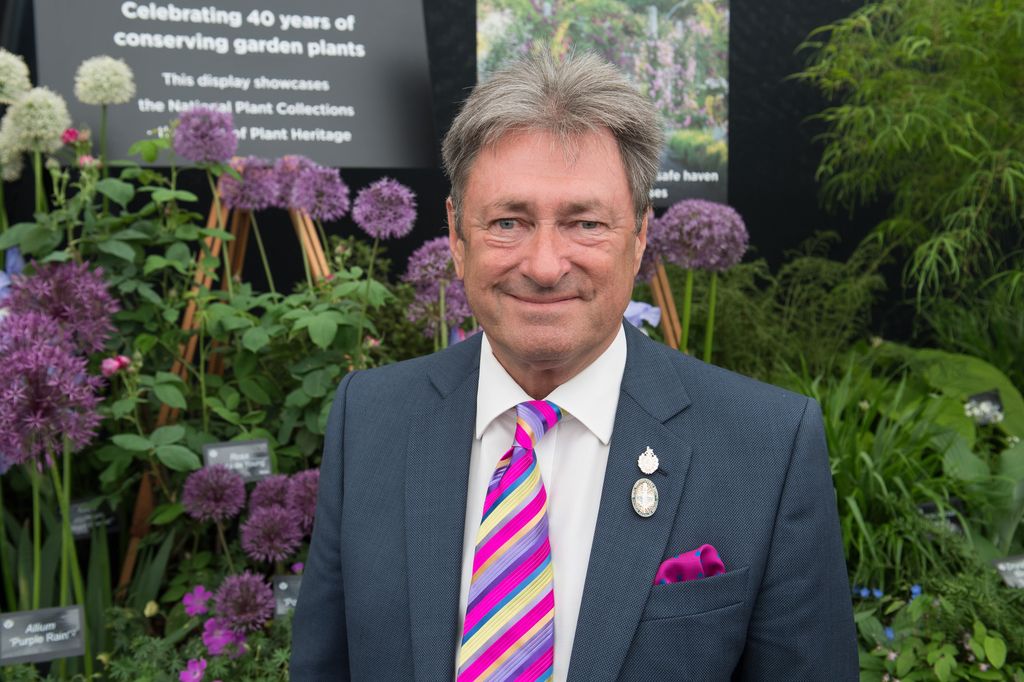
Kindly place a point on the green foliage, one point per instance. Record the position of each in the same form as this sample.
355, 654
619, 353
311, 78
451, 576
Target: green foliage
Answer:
927, 111
932, 637
698, 149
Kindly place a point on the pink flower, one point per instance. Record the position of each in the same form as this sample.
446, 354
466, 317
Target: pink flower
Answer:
297, 567
86, 160
195, 601
69, 136
193, 672
111, 366
218, 637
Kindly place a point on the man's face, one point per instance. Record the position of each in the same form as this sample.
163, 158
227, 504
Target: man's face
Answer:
549, 248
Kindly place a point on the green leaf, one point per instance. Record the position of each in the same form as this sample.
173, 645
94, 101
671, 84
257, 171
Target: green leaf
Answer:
14, 235
166, 513
121, 407
322, 330
146, 149
297, 398
165, 435
133, 442
170, 395
253, 391
164, 195
39, 240
255, 338
905, 663
118, 191
117, 248
1011, 462
995, 650
959, 462
944, 668
178, 458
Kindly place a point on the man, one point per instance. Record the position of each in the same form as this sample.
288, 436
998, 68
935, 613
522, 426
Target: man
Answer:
441, 553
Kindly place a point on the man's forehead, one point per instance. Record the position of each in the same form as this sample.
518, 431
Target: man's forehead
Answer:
529, 204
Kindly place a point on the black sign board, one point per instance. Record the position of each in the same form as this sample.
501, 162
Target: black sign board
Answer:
250, 458
286, 592
948, 519
85, 517
1012, 570
42, 635
346, 84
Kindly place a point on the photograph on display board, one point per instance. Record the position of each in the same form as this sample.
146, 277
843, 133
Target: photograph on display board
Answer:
676, 52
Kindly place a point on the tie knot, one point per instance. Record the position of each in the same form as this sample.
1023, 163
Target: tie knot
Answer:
533, 419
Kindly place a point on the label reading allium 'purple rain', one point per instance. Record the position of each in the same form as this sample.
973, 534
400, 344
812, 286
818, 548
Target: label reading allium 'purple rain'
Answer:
1012, 570
41, 635
85, 516
250, 458
286, 593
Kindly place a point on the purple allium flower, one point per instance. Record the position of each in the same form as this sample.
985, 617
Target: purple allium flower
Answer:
46, 395
193, 671
302, 496
287, 169
272, 533
244, 601
73, 295
699, 235
297, 567
428, 267
270, 492
213, 493
321, 193
258, 188
205, 135
386, 209
195, 601
217, 637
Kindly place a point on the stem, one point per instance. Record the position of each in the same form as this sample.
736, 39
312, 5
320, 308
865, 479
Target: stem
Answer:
323, 238
224, 544
65, 519
709, 332
63, 494
442, 314
366, 302
687, 305
202, 377
37, 539
4, 567
220, 226
305, 265
263, 253
37, 168
103, 154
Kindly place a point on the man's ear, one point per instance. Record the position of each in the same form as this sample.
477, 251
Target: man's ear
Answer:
641, 242
456, 244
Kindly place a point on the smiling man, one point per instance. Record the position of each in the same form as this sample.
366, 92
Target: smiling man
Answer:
560, 497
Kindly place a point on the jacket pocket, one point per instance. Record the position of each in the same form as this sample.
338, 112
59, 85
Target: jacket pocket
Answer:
693, 597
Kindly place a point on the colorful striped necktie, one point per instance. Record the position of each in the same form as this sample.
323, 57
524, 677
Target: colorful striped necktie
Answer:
509, 632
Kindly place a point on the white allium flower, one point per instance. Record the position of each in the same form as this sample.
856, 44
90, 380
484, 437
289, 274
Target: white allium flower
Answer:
38, 119
983, 412
104, 80
10, 158
14, 81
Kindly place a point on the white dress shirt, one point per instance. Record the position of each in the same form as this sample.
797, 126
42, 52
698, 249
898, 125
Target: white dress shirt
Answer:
572, 458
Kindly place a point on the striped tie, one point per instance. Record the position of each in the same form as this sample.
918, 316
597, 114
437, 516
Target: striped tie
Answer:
509, 633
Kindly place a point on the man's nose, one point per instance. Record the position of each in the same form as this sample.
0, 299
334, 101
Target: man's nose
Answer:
545, 257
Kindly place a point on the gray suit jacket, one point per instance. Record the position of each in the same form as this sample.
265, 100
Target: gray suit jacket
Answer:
745, 469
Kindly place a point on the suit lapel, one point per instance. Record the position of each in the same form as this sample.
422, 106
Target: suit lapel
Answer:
437, 474
627, 548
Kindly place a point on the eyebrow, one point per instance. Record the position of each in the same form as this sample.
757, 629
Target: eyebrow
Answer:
569, 208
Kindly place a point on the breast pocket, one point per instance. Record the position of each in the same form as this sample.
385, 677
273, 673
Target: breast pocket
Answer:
693, 597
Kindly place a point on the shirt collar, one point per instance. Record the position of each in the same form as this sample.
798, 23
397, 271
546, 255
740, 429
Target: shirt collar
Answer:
591, 396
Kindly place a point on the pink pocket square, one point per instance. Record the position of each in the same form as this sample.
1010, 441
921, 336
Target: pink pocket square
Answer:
702, 562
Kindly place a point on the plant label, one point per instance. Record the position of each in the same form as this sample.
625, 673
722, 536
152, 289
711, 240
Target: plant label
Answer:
1012, 570
41, 635
286, 593
984, 408
85, 516
250, 458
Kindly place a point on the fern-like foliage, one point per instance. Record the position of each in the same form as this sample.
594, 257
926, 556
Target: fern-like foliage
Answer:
927, 110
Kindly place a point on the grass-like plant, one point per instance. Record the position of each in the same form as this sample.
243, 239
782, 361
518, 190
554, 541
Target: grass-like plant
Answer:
927, 112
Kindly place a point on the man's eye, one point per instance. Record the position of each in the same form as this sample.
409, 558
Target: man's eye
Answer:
506, 223
589, 224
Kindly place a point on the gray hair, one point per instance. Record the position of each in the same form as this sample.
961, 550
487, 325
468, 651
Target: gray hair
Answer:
581, 94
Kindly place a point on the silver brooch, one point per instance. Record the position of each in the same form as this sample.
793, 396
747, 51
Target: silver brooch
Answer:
645, 497
647, 461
